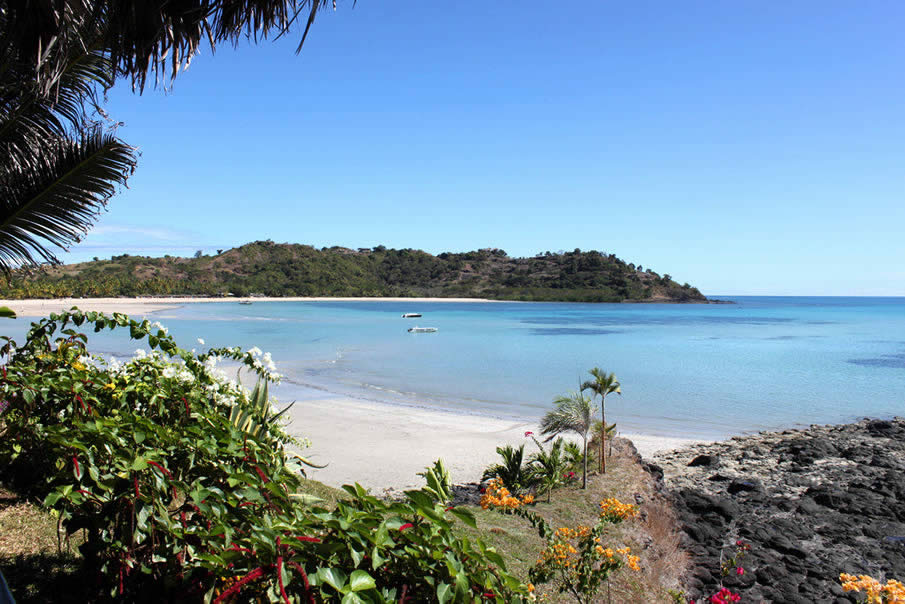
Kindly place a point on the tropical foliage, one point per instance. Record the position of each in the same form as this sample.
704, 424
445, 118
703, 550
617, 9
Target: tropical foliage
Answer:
514, 473
577, 561
177, 500
58, 164
572, 413
299, 270
603, 384
550, 467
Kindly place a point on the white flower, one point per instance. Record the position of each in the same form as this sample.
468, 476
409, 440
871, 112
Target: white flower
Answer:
140, 353
201, 341
254, 351
159, 326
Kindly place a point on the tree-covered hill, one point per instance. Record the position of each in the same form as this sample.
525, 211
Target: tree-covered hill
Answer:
280, 269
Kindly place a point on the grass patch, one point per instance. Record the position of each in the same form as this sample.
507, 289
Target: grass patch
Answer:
654, 536
29, 558
327, 494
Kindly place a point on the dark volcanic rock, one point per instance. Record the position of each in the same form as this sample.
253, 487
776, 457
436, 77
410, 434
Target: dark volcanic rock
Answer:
811, 503
703, 460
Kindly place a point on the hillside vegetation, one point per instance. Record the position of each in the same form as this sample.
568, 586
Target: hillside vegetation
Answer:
273, 269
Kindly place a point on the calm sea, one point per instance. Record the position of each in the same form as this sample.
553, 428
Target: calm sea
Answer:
693, 370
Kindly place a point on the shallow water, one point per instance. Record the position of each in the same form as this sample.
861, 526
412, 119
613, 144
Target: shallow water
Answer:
702, 371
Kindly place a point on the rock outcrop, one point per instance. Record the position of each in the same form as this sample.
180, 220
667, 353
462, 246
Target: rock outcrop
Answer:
811, 503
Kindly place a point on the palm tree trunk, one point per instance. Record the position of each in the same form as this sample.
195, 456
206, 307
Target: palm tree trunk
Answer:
584, 473
603, 434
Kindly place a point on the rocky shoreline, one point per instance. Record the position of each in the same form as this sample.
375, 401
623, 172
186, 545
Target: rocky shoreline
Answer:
811, 503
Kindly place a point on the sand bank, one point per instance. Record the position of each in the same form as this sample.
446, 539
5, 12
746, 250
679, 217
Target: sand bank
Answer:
385, 446
145, 305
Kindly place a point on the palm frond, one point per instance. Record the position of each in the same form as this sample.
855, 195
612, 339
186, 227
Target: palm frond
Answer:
143, 37
572, 413
53, 200
513, 472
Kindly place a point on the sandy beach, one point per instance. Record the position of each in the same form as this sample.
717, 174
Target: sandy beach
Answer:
385, 446
141, 306
379, 445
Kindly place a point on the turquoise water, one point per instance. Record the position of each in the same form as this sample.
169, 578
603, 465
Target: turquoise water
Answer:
698, 370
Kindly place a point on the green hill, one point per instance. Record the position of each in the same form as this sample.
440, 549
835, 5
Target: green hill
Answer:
281, 269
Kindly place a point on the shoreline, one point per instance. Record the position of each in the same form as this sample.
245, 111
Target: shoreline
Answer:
41, 307
384, 446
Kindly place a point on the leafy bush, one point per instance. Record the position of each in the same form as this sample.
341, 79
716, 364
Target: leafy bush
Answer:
514, 473
178, 501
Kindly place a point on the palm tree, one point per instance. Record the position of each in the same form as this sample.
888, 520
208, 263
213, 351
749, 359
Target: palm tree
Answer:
58, 167
572, 413
603, 384
513, 472
142, 38
549, 467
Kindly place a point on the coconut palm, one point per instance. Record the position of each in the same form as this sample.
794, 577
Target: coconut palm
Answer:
58, 168
572, 413
142, 38
603, 384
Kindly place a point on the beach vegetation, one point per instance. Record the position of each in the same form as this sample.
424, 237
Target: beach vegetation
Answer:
577, 561
514, 471
874, 590
572, 413
550, 467
601, 385
160, 490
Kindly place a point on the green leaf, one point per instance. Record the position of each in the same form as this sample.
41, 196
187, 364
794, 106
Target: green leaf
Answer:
7, 313
139, 463
333, 577
352, 598
421, 499
465, 516
494, 557
444, 593
360, 580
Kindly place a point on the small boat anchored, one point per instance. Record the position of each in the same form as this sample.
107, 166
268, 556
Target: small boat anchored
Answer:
411, 315
417, 329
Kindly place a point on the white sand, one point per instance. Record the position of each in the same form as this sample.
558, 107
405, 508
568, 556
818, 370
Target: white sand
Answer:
378, 445
385, 446
144, 305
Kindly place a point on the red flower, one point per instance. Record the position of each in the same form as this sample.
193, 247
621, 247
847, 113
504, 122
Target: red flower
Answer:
529, 433
740, 571
407, 525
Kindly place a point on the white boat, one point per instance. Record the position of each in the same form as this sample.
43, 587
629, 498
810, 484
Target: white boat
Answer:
244, 301
417, 329
411, 315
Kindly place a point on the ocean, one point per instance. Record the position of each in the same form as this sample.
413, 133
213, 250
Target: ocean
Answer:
700, 371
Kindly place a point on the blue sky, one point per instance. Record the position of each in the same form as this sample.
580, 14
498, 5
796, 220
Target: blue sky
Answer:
744, 147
